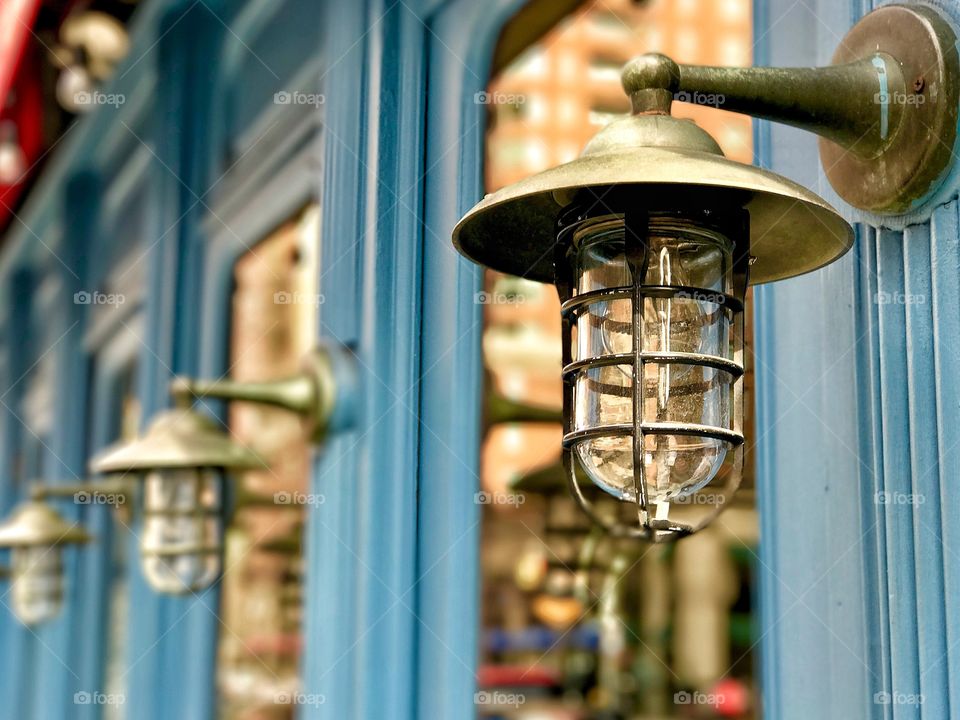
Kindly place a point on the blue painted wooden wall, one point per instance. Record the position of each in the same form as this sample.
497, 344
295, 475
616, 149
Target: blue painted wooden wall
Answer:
184, 177
858, 407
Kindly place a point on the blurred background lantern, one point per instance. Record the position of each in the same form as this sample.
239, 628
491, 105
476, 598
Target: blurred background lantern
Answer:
36, 535
182, 461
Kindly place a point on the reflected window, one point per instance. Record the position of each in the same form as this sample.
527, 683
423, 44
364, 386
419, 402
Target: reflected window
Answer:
275, 306
575, 624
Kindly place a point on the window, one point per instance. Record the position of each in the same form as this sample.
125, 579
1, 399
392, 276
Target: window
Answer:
274, 324
562, 637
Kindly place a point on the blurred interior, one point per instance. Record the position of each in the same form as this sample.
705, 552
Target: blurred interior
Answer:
576, 624
275, 303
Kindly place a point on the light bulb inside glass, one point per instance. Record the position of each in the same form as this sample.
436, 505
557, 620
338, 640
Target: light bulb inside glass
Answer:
694, 321
181, 533
37, 585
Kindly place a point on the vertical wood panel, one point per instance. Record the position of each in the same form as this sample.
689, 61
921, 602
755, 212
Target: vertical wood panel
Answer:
896, 463
332, 592
58, 676
865, 417
18, 642
924, 471
945, 305
461, 40
876, 596
906, 325
389, 364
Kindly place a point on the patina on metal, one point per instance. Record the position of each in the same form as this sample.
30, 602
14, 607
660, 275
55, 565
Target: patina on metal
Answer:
312, 393
35, 523
668, 162
886, 110
839, 103
922, 121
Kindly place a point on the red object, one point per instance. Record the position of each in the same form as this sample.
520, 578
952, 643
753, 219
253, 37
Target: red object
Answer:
732, 698
16, 23
20, 90
492, 676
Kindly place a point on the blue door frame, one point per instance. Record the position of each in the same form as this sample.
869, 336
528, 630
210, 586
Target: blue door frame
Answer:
392, 555
858, 405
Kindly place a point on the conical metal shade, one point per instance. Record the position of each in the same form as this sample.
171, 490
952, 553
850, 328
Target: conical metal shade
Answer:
179, 438
36, 523
792, 230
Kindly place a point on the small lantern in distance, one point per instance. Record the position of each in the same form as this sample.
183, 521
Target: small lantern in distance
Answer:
36, 534
182, 460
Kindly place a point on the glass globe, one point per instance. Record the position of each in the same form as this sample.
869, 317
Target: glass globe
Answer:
181, 533
692, 321
37, 585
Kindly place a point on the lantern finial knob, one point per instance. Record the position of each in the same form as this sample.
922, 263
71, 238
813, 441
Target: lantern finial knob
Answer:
651, 81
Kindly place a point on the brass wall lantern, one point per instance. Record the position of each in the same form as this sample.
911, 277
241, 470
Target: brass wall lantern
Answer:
548, 567
184, 458
114, 492
652, 237
35, 533
182, 461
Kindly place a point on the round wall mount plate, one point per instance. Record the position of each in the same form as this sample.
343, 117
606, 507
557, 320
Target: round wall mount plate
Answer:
921, 148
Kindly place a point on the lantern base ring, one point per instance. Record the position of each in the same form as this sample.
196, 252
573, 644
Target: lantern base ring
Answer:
652, 530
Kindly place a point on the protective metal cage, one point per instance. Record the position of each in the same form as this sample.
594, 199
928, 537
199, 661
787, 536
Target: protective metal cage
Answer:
637, 222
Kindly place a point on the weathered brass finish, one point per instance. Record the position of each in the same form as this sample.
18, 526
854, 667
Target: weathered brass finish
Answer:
36, 523
116, 487
178, 438
312, 393
886, 110
922, 124
671, 163
837, 102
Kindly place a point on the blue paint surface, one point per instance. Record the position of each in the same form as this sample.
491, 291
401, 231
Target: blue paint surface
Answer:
856, 402
392, 579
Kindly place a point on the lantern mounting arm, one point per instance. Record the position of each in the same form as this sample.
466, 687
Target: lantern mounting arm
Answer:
118, 486
316, 393
296, 394
858, 105
886, 109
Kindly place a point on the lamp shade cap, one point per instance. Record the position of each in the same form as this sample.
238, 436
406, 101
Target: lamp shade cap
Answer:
36, 523
664, 159
178, 439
